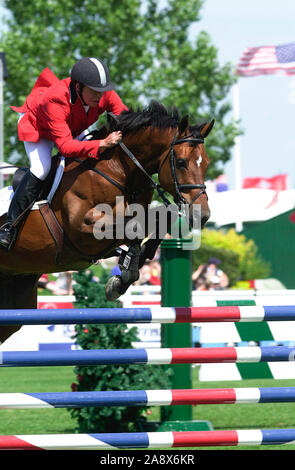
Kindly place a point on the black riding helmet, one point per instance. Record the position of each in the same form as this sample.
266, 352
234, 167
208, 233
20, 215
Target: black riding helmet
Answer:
92, 72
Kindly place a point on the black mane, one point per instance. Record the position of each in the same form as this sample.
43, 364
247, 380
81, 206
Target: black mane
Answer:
154, 115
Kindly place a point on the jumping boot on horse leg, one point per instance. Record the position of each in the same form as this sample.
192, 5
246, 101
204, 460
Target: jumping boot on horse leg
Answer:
129, 264
24, 197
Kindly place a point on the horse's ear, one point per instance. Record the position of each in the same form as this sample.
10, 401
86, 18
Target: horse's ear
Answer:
206, 128
112, 120
183, 125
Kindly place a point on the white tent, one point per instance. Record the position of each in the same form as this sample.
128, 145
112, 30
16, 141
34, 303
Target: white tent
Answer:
248, 205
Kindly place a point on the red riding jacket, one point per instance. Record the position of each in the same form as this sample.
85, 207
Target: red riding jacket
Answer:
50, 114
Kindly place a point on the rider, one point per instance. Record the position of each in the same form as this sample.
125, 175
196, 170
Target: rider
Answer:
58, 112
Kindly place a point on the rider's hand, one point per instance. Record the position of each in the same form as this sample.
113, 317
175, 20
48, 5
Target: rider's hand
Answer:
111, 140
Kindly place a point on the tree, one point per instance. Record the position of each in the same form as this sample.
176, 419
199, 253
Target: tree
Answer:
147, 47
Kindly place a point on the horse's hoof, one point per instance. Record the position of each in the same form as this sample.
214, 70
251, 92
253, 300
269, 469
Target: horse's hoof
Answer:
113, 288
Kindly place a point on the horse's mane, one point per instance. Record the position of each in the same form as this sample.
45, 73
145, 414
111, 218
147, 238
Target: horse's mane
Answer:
154, 115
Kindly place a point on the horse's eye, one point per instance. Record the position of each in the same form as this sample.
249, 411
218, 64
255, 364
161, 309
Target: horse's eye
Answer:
181, 164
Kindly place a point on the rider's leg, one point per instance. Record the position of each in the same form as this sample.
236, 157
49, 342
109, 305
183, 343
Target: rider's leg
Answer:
39, 154
28, 189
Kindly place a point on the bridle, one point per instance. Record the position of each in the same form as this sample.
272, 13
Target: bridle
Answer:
179, 198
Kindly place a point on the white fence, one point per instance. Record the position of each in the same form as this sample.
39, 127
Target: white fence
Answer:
60, 336
151, 295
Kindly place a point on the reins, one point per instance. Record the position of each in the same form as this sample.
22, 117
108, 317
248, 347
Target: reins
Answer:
154, 185
179, 199
178, 187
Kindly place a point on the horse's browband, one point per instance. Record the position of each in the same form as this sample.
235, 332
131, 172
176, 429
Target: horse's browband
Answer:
188, 139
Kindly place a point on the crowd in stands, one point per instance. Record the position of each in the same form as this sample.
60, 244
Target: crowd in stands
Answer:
207, 276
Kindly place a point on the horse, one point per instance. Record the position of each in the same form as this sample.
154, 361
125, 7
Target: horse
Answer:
59, 238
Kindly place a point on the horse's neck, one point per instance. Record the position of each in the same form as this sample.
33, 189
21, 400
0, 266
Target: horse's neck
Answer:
148, 148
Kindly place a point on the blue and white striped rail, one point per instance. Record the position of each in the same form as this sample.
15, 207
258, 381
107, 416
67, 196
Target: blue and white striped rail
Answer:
148, 397
147, 315
149, 440
147, 356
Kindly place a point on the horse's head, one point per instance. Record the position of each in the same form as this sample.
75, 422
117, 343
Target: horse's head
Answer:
168, 145
183, 169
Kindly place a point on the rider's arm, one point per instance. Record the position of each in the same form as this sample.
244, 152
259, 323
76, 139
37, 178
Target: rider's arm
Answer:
57, 115
111, 102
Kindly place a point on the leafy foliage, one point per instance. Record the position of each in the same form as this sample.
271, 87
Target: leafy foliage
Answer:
229, 261
240, 257
149, 48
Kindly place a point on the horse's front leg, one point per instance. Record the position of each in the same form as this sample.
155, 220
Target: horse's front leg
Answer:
129, 265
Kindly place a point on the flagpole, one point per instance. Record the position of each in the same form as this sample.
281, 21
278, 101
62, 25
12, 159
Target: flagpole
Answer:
237, 150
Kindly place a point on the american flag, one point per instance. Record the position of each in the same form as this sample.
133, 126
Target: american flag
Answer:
267, 60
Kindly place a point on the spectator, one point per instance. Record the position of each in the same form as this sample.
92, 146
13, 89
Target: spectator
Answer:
63, 284
209, 277
144, 275
155, 279
43, 281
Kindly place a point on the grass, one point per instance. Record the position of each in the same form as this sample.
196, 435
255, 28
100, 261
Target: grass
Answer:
247, 416
59, 420
36, 421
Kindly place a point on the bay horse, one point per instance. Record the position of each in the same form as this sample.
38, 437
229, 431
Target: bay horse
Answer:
155, 141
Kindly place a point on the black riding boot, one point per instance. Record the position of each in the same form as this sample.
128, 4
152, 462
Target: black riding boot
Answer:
26, 194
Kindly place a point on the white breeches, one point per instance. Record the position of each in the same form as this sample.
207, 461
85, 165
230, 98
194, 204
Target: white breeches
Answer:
39, 154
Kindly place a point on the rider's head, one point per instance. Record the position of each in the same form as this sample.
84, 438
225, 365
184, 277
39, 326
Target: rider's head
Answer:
91, 78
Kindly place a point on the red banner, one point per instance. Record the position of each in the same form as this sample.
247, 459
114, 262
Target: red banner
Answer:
278, 182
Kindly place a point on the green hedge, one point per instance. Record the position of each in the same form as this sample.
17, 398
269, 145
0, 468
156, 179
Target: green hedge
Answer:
240, 258
229, 261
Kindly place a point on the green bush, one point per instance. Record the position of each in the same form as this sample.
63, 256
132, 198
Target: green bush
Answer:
240, 258
109, 377
229, 261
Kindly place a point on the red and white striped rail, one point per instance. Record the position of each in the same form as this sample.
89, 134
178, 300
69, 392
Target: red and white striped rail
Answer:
146, 440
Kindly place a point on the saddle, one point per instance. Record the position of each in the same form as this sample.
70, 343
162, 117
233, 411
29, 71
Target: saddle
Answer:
64, 246
43, 202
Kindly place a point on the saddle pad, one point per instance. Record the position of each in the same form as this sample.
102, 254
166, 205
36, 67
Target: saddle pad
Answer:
6, 193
